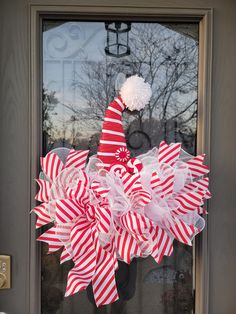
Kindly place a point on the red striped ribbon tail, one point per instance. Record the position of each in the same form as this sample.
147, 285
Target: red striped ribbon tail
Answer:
156, 184
136, 224
44, 190
103, 215
168, 154
79, 193
43, 217
84, 252
110, 248
63, 233
137, 186
114, 254
207, 195
104, 283
167, 186
77, 159
196, 166
131, 182
82, 273
182, 231
201, 211
66, 255
81, 238
189, 202
51, 237
162, 244
134, 189
115, 261
67, 210
52, 209
127, 247
145, 247
201, 184
51, 165
163, 188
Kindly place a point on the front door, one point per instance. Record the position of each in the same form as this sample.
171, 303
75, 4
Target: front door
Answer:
57, 61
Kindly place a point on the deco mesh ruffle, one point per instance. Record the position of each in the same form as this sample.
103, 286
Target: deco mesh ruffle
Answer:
113, 207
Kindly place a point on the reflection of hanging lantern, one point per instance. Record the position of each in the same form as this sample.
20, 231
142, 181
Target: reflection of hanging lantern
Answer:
117, 39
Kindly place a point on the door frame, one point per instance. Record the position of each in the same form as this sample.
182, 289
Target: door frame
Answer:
150, 13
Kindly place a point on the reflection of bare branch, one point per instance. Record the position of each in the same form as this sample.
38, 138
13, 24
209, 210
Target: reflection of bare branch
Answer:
166, 59
192, 116
185, 109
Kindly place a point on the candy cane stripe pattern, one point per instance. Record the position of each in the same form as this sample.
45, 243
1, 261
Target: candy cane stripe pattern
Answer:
202, 185
65, 256
196, 166
51, 238
43, 215
104, 285
183, 232
162, 187
110, 142
114, 206
77, 159
99, 190
127, 246
67, 210
134, 165
168, 154
81, 274
51, 165
162, 244
43, 194
156, 182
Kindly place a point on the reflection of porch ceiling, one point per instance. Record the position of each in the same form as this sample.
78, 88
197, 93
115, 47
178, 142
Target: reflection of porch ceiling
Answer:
187, 29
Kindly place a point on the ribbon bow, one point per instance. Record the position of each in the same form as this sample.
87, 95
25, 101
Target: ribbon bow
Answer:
136, 235
79, 226
180, 197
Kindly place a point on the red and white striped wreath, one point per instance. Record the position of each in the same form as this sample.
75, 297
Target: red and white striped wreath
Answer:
95, 234
114, 207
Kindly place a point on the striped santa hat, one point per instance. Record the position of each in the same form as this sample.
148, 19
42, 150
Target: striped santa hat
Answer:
134, 95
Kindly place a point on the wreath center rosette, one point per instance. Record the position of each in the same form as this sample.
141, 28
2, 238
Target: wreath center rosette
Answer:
115, 207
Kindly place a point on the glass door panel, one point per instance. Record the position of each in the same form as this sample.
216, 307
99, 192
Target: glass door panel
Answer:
83, 68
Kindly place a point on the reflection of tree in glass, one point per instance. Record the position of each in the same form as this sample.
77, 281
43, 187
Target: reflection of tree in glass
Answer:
48, 106
49, 103
168, 61
96, 84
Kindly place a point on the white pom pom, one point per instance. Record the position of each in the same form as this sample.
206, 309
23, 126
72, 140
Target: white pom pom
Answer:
135, 93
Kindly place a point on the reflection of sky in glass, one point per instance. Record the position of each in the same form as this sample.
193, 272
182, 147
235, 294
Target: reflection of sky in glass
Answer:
69, 47
73, 55
65, 48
